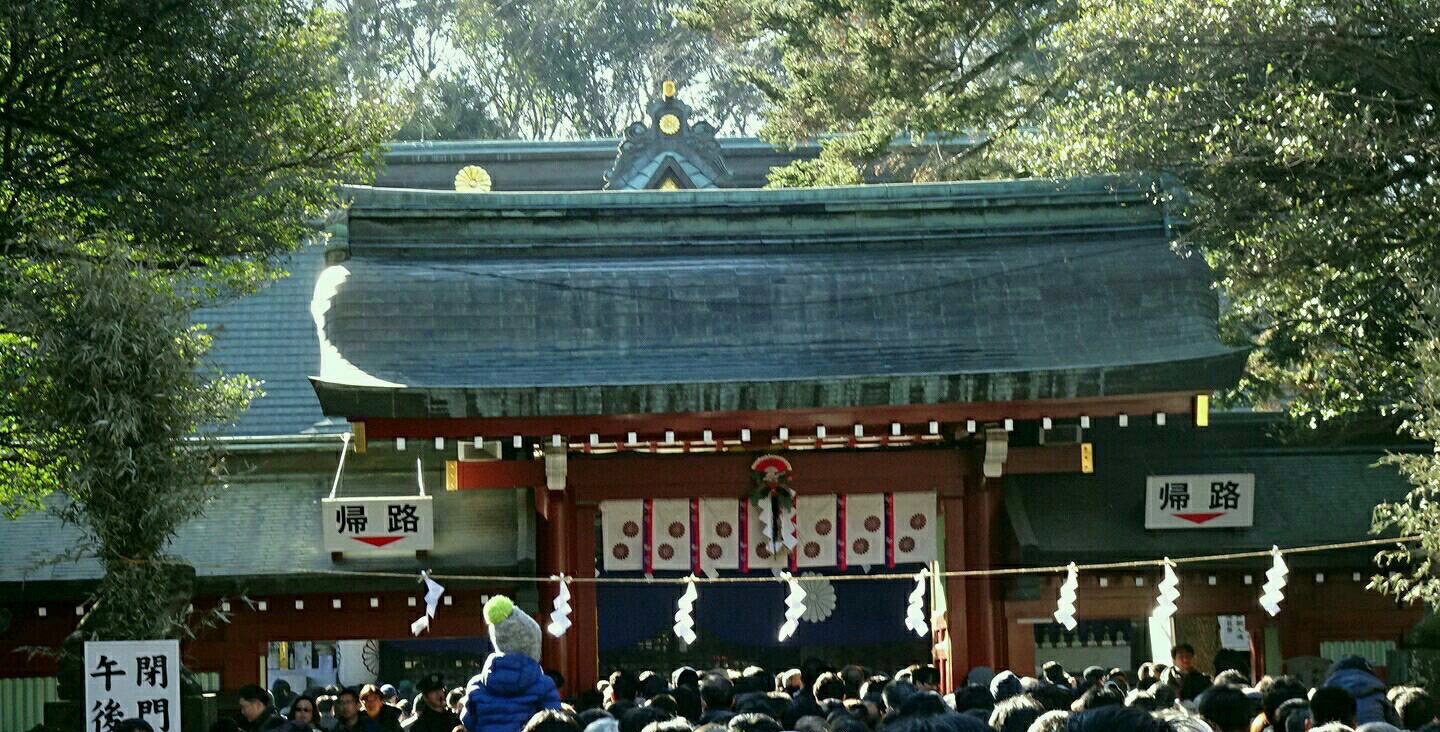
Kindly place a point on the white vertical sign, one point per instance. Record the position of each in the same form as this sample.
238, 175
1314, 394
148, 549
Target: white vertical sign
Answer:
132, 679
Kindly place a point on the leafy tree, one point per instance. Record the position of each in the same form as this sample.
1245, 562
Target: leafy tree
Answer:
152, 153
1409, 571
542, 69
873, 70
1298, 139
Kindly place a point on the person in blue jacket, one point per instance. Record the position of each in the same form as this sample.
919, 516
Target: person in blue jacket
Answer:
1354, 675
511, 687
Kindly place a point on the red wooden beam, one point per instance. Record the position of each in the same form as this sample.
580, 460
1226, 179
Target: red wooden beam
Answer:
764, 423
684, 476
482, 474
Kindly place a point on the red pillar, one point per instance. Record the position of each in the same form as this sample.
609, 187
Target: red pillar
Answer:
984, 621
956, 663
554, 550
585, 664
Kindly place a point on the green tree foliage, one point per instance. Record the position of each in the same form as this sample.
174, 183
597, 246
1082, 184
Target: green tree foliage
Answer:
1409, 572
874, 70
152, 153
1304, 136
112, 375
534, 70
1298, 139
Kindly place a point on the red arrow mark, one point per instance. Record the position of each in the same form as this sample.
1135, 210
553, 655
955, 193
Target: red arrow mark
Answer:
1197, 518
377, 541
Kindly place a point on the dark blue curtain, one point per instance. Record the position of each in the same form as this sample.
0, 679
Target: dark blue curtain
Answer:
866, 612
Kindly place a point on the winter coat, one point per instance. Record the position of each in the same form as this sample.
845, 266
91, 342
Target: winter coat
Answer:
429, 720
387, 721
507, 693
1353, 675
268, 720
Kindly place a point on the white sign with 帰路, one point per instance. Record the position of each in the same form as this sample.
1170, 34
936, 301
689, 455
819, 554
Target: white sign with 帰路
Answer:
1216, 501
378, 525
132, 680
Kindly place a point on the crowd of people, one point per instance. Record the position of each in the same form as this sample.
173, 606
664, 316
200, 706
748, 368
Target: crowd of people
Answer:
513, 694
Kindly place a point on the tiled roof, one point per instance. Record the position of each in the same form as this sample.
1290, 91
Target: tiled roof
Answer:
1303, 496
272, 527
643, 302
270, 336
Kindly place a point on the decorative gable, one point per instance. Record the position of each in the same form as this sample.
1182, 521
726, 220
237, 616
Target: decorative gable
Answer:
670, 153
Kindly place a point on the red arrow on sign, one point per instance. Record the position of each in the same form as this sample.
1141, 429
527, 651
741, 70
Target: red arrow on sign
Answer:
377, 541
1197, 518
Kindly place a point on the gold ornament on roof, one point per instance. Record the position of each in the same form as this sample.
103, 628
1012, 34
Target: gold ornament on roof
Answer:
667, 89
473, 179
669, 184
669, 124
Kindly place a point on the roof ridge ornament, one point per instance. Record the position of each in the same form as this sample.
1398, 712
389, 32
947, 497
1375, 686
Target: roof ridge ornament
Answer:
670, 152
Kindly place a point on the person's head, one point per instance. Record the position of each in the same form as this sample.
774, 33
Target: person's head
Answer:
551, 720
716, 692
1054, 698
1054, 673
347, 704
1332, 704
1292, 716
1226, 708
753, 722
790, 680
1016, 714
666, 702
1183, 657
305, 709
1416, 708
678, 724
973, 697
1231, 677
1097, 697
925, 677
511, 630
896, 693
685, 676
432, 692
1052, 721
1005, 685
636, 719
854, 676
1115, 718
829, 686
455, 700
389, 693
1278, 691
687, 702
254, 700
623, 686
371, 700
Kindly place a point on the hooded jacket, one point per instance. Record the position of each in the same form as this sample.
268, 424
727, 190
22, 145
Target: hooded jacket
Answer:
507, 693
1354, 676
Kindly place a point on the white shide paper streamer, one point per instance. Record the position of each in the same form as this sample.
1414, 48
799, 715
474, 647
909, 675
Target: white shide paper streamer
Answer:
1169, 593
1274, 588
915, 612
560, 615
1065, 605
685, 612
794, 606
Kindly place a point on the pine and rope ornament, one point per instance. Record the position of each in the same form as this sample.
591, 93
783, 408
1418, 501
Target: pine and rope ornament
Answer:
560, 615
1169, 592
774, 501
915, 612
685, 612
1274, 587
794, 606
1065, 605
